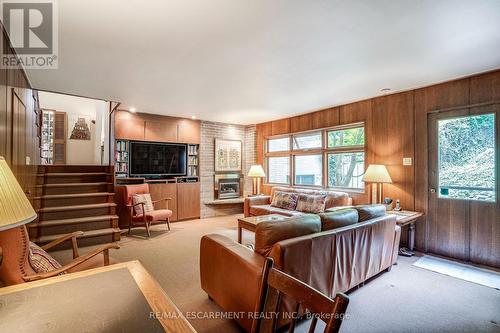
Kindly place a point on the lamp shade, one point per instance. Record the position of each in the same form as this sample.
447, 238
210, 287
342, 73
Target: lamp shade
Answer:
377, 173
15, 208
256, 171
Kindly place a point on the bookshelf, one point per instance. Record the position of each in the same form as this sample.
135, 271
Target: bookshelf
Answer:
121, 158
193, 161
47, 149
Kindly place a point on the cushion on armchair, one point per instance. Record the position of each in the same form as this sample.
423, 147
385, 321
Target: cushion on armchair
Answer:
269, 233
285, 200
40, 260
148, 203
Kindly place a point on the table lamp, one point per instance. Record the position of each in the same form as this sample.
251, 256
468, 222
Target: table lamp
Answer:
15, 208
377, 174
256, 172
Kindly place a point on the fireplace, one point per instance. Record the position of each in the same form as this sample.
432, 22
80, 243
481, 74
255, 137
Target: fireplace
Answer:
227, 186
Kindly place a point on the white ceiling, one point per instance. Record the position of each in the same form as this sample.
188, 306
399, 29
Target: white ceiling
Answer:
248, 61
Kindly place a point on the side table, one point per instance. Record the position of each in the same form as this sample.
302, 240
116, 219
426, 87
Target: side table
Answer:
407, 218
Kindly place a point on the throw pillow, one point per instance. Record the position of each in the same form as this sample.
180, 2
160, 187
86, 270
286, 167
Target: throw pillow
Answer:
309, 203
285, 200
41, 261
148, 203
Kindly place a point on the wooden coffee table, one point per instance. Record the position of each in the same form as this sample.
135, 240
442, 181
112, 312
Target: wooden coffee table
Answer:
250, 223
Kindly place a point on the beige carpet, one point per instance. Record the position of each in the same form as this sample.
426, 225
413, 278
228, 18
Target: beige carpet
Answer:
407, 299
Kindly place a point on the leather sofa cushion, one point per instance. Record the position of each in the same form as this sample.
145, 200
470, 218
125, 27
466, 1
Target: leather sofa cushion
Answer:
333, 198
269, 233
339, 218
268, 209
368, 212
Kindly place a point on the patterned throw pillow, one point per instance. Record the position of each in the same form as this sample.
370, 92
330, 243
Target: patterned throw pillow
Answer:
41, 261
148, 203
285, 200
309, 203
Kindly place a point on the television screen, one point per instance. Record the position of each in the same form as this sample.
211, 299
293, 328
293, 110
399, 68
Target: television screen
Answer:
157, 159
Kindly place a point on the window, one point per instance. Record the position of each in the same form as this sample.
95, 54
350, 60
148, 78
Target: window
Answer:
346, 170
467, 158
338, 152
309, 170
278, 171
346, 137
307, 141
281, 144
346, 157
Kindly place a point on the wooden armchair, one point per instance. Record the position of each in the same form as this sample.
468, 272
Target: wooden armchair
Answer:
148, 218
16, 267
277, 285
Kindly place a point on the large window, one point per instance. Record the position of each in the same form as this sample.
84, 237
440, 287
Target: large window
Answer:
309, 170
278, 170
467, 158
340, 152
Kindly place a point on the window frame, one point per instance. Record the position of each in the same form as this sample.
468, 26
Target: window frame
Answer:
323, 150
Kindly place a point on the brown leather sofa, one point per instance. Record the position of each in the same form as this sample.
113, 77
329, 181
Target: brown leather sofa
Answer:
332, 252
261, 205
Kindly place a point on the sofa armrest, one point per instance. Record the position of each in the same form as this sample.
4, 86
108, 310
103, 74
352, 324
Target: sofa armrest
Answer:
255, 201
395, 249
231, 275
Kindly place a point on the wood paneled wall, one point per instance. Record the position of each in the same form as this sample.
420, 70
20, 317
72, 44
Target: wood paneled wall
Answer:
19, 121
396, 127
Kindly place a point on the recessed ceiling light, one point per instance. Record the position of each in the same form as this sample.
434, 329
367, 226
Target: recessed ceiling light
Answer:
385, 90
193, 117
132, 109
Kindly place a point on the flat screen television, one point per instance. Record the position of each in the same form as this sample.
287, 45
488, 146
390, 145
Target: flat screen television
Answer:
157, 160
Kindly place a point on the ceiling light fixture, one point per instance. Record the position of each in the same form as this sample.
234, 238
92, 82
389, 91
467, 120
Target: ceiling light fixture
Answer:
133, 110
193, 117
385, 90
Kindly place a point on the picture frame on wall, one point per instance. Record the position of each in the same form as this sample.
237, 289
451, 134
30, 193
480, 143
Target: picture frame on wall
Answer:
228, 155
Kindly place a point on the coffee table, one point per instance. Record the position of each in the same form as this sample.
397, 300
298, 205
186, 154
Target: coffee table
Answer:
250, 223
403, 218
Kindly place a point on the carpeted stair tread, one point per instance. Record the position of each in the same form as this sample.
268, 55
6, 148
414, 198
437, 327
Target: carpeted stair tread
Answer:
75, 195
75, 207
86, 234
72, 174
73, 184
76, 220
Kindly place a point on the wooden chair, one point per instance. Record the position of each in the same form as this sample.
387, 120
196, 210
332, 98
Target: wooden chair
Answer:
151, 217
276, 284
16, 266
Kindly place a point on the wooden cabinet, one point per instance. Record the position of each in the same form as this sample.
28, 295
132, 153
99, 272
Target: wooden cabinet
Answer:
189, 131
164, 131
188, 200
129, 129
165, 190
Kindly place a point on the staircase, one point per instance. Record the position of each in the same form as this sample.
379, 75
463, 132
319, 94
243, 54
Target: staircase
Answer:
75, 198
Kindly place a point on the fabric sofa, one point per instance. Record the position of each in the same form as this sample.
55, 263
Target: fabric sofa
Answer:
261, 205
332, 252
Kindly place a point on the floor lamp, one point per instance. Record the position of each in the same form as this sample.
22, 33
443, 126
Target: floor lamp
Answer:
377, 175
15, 208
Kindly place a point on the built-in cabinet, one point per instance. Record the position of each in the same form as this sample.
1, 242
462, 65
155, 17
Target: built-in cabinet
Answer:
149, 127
188, 200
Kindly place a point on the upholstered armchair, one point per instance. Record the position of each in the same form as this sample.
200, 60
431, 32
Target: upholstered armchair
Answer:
139, 215
24, 261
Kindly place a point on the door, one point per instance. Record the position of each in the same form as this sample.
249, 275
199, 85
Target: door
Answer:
60, 130
463, 211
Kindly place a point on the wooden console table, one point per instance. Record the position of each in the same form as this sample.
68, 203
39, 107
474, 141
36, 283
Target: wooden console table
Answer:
117, 298
407, 218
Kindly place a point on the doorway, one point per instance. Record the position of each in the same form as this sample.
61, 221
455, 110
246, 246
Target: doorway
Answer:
463, 210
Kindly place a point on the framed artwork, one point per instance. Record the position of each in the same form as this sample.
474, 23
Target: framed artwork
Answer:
79, 127
228, 156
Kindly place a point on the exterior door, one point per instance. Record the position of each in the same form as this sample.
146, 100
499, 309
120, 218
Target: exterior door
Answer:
463, 211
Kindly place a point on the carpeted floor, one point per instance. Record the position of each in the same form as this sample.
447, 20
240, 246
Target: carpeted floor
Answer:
407, 299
